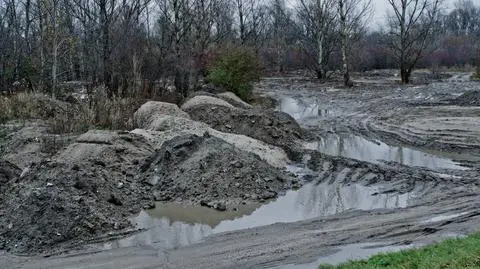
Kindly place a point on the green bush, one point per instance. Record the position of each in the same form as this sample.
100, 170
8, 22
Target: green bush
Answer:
235, 70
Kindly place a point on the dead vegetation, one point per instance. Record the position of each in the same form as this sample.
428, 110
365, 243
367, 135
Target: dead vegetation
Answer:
100, 111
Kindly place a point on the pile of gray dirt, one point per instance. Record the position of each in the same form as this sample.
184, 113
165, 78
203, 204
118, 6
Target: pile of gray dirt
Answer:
470, 98
208, 171
89, 190
84, 192
272, 127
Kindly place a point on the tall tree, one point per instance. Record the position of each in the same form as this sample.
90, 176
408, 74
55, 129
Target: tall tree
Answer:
318, 20
352, 15
411, 28
280, 21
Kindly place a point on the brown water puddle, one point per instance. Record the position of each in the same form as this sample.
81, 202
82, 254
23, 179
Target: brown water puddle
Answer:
172, 225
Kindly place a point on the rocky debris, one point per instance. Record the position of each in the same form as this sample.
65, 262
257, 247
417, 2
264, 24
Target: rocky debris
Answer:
147, 115
205, 170
272, 127
205, 100
470, 98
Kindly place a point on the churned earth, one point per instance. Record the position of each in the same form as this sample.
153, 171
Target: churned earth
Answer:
329, 173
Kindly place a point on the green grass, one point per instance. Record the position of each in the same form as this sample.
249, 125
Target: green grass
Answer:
449, 254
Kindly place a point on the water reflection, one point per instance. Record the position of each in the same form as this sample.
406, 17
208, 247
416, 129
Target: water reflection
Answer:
163, 233
303, 109
361, 149
314, 201
190, 224
307, 110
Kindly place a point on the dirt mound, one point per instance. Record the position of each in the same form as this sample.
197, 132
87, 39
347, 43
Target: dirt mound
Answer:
90, 189
206, 170
29, 142
85, 191
149, 112
234, 100
57, 204
204, 100
8, 172
470, 98
272, 127
167, 127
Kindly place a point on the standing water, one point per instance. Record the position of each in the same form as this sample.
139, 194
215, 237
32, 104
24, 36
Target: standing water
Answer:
172, 225
307, 110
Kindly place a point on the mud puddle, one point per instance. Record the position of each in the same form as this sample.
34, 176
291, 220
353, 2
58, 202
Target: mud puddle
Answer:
359, 148
347, 253
171, 225
307, 110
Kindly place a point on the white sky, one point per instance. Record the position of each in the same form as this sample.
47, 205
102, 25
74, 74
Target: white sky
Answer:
381, 7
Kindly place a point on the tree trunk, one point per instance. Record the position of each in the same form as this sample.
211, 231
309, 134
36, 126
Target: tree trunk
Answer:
320, 74
241, 20
320, 68
41, 25
27, 26
54, 50
344, 39
105, 46
405, 74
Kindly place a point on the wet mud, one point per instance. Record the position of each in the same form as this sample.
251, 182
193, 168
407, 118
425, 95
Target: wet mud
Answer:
377, 168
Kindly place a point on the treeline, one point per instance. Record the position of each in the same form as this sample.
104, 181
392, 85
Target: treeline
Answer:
138, 47
457, 42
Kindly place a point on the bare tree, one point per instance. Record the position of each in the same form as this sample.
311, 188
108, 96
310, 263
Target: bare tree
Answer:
352, 14
280, 20
318, 24
252, 22
411, 27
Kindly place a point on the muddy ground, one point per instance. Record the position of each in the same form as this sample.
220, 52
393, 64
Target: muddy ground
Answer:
61, 192
217, 155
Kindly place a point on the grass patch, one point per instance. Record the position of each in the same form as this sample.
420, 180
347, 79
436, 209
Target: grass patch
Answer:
449, 254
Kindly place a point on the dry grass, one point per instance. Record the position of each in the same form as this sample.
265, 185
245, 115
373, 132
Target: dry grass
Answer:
62, 117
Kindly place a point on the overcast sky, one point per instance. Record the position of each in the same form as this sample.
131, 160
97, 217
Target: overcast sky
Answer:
381, 7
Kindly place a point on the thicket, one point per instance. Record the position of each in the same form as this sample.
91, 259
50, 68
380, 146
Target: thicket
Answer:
235, 70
